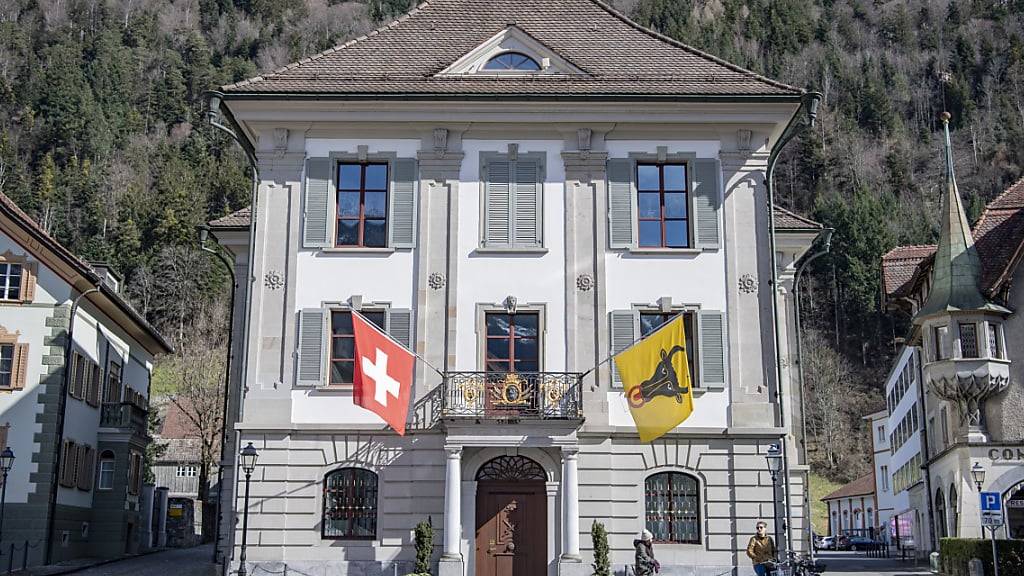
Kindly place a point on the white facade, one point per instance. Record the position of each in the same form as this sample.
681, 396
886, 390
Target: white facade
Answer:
103, 417
456, 265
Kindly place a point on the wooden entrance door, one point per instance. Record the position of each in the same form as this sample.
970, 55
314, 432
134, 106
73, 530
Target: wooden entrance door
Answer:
511, 529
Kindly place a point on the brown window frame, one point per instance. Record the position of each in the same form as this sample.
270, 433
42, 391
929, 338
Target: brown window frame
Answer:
662, 218
370, 315
511, 337
359, 498
650, 516
362, 190
690, 331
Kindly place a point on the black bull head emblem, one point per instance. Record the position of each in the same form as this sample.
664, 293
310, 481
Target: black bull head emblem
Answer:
664, 382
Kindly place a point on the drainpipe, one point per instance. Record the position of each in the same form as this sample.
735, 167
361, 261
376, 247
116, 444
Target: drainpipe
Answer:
215, 110
62, 404
826, 246
809, 105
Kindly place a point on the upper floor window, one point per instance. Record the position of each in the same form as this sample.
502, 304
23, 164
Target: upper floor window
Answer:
968, 340
512, 61
938, 334
513, 200
651, 321
106, 476
885, 478
362, 205
343, 343
995, 341
663, 217
10, 281
672, 506
881, 433
513, 343
350, 504
6, 365
13, 361
186, 471
113, 391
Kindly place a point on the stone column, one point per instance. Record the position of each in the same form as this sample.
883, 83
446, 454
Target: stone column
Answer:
146, 517
161, 517
570, 505
551, 490
451, 558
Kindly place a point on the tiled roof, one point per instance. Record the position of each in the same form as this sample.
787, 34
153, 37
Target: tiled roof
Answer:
617, 57
238, 219
863, 486
784, 220
81, 267
998, 238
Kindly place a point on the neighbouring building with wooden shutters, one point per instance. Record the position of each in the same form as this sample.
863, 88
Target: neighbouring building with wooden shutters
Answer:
96, 512
515, 190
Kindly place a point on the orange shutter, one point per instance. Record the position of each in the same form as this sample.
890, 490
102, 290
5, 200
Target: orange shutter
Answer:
29, 272
20, 368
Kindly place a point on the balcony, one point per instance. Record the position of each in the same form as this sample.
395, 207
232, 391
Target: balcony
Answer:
124, 416
512, 396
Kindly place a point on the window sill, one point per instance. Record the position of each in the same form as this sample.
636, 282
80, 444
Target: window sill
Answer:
666, 251
357, 250
511, 250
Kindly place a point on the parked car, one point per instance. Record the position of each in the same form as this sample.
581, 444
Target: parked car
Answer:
856, 543
825, 543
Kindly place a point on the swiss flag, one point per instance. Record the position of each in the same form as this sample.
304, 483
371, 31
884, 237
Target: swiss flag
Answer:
382, 379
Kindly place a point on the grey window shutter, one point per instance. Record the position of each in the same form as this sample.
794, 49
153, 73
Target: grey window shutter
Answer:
624, 329
402, 211
707, 201
312, 346
711, 348
620, 202
318, 204
498, 205
400, 326
527, 204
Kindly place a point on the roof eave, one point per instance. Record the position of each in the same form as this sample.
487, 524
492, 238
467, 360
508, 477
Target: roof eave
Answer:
795, 97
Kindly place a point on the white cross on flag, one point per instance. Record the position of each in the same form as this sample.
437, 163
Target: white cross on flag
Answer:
383, 374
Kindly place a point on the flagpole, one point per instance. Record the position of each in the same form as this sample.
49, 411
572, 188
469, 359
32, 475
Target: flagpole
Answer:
397, 343
633, 343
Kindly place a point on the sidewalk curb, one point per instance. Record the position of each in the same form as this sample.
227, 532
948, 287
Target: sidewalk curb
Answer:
73, 569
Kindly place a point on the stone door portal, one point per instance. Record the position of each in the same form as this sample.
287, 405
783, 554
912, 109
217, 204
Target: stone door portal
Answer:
511, 518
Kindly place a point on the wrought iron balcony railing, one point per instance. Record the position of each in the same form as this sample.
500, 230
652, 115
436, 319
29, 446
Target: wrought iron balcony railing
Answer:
124, 415
513, 395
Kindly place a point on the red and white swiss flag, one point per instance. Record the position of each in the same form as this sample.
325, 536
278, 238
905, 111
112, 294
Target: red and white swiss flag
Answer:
382, 379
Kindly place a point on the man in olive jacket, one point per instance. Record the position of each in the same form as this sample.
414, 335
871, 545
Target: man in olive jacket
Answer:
761, 550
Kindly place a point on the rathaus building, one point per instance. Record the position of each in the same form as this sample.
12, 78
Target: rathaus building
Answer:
514, 189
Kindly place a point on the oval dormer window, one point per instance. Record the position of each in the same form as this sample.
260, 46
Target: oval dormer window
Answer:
512, 61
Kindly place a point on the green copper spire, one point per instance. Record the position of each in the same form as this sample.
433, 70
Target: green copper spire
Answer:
956, 274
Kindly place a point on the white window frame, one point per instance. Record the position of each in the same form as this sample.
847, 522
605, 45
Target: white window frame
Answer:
104, 462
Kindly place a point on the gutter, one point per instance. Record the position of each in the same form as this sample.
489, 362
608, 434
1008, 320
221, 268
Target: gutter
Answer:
809, 104
215, 109
492, 96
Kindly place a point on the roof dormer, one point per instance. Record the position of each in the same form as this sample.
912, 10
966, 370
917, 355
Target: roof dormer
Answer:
511, 52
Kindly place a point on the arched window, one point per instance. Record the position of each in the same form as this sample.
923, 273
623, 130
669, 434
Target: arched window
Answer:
954, 512
512, 61
940, 513
106, 474
673, 507
350, 504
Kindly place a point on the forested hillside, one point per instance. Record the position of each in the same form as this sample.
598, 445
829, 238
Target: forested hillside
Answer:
102, 139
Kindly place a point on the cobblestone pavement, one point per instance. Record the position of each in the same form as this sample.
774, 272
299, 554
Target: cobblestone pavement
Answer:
857, 564
177, 562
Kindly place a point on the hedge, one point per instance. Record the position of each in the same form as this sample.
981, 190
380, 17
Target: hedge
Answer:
955, 553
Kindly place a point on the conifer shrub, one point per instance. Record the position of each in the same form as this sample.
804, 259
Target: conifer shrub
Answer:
602, 566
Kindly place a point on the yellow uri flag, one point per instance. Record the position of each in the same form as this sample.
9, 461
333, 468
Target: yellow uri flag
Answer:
657, 381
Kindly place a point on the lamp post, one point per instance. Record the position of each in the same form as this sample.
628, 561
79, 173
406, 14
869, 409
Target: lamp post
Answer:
204, 234
248, 457
6, 462
978, 475
774, 458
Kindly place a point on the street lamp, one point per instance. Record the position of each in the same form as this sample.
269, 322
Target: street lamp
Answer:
6, 463
774, 458
978, 474
248, 457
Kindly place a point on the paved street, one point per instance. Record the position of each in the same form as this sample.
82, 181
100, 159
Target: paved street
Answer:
179, 562
857, 564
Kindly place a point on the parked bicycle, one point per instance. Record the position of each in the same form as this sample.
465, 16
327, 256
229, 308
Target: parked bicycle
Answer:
797, 565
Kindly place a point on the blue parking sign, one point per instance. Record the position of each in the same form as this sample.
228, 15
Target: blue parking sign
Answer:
991, 502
